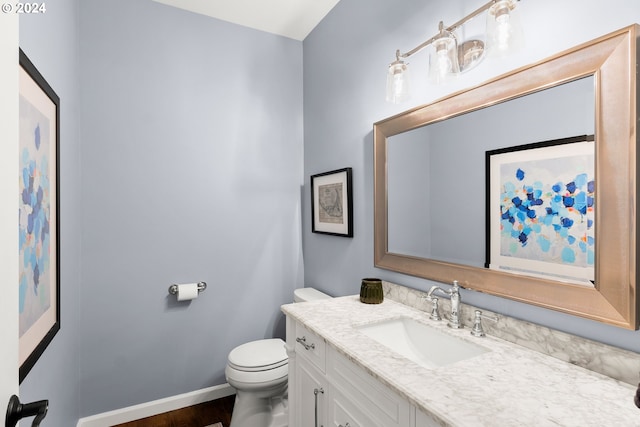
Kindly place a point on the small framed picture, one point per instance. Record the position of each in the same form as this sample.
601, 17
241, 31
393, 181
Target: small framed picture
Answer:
332, 203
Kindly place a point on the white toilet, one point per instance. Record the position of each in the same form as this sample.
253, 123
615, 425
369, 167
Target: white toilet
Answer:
258, 371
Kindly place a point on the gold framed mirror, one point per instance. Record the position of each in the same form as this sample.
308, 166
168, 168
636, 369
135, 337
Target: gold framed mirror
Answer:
610, 61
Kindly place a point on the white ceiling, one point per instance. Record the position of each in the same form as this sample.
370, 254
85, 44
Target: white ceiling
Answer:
290, 18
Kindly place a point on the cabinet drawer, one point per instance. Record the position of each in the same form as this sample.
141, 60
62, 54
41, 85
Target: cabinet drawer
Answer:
367, 393
310, 346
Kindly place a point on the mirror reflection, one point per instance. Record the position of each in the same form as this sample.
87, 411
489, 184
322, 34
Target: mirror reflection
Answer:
436, 173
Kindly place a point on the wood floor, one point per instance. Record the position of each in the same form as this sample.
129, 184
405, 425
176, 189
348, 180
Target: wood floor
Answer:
204, 414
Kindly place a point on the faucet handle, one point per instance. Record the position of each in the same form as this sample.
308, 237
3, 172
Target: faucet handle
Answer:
434, 309
477, 330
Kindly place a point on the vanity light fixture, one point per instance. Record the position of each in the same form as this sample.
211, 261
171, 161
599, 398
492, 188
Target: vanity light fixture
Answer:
448, 57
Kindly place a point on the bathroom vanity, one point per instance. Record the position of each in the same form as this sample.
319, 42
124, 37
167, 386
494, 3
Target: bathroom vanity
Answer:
346, 370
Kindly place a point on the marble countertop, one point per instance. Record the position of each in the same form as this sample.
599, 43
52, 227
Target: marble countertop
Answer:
507, 386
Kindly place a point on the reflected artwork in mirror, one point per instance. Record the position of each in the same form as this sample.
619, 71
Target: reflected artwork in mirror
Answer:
431, 191
541, 204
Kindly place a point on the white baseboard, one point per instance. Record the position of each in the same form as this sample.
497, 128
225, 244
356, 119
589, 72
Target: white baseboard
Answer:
156, 407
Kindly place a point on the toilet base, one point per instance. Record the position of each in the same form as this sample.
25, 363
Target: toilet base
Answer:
252, 411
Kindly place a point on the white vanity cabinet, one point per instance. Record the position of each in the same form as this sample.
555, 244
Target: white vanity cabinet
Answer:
323, 383
367, 384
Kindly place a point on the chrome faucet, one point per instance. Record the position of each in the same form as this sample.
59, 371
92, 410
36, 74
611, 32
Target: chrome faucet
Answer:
454, 295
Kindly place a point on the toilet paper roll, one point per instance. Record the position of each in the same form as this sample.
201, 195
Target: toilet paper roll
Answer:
187, 291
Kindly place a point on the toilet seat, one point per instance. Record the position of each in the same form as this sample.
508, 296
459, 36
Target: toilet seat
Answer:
259, 356
244, 379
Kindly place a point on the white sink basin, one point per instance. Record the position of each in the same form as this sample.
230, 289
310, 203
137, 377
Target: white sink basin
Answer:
421, 343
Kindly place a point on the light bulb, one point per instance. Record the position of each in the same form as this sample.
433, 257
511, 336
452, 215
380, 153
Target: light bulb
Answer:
503, 31
398, 85
503, 28
445, 65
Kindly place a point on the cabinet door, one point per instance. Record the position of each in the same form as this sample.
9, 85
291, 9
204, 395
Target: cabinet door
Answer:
368, 394
425, 420
342, 412
310, 395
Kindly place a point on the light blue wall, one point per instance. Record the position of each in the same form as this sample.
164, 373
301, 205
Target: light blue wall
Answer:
192, 169
51, 42
345, 62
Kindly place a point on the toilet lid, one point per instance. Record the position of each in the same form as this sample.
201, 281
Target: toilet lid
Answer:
259, 355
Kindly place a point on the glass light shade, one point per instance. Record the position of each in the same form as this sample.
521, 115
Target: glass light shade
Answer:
443, 58
398, 82
504, 33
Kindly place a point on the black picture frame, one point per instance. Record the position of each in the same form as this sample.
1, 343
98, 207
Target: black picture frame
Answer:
332, 203
39, 223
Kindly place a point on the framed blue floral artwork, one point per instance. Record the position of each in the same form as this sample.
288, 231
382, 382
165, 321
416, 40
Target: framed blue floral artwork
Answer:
39, 242
540, 210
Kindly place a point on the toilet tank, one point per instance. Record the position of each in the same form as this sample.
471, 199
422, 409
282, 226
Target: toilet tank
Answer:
308, 294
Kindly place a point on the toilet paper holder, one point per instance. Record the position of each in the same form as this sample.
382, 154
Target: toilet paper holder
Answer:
173, 289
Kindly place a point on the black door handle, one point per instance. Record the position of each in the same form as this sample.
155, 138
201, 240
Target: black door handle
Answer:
17, 411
